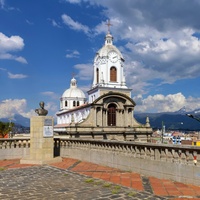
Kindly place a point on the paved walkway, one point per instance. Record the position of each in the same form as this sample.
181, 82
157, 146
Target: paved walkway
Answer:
73, 179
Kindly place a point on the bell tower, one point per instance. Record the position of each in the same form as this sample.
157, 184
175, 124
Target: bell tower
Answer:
108, 70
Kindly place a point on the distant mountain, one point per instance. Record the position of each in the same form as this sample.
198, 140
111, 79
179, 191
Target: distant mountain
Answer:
171, 120
18, 120
181, 111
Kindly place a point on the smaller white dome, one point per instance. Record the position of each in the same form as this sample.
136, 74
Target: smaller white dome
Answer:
73, 91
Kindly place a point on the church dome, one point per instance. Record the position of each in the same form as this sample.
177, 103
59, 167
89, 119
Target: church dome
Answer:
73, 91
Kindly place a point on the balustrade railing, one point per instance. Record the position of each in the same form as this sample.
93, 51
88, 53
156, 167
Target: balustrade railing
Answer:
176, 162
183, 154
14, 143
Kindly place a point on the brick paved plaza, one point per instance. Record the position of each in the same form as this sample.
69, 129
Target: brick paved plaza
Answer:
73, 179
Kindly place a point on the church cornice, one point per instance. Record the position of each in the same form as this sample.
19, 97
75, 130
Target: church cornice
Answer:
98, 87
116, 94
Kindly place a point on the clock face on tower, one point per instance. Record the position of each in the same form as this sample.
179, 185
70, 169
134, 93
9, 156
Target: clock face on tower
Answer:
113, 57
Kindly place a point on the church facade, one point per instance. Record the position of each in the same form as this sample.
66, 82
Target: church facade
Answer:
109, 111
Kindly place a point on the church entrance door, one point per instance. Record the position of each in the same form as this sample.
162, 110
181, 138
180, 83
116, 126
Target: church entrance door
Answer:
112, 115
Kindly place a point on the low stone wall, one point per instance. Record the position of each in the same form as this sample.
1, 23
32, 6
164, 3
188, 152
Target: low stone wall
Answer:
175, 162
14, 148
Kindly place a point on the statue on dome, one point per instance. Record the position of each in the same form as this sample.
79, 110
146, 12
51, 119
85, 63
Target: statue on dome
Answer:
41, 111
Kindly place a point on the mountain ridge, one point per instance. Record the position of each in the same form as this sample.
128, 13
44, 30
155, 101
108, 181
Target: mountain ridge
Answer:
171, 120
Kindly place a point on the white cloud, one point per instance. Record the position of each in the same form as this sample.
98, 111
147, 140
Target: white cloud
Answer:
5, 7
21, 60
73, 1
10, 107
29, 22
168, 103
3, 69
54, 23
50, 94
85, 71
8, 56
51, 106
158, 36
13, 43
2, 4
16, 76
74, 54
10, 44
67, 20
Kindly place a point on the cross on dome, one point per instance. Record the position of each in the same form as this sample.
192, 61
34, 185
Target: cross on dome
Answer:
109, 37
108, 24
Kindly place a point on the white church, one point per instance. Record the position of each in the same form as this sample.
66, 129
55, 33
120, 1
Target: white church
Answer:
109, 111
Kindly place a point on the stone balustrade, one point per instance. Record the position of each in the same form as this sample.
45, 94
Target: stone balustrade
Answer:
188, 155
14, 143
176, 162
14, 148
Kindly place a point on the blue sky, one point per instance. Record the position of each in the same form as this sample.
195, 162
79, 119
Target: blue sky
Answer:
43, 43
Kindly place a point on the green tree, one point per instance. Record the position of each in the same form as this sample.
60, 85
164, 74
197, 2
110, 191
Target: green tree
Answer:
5, 128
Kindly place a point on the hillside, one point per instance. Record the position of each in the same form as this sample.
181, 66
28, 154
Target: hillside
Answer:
172, 121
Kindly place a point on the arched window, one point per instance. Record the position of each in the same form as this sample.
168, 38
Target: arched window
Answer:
77, 103
97, 74
111, 115
74, 103
65, 103
113, 74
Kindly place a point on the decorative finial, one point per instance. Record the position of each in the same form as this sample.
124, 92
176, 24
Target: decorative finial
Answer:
108, 24
73, 74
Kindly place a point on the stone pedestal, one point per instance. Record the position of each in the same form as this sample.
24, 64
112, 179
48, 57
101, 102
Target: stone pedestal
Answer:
41, 142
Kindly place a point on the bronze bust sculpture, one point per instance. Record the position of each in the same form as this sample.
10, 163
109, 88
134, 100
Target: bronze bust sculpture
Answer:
41, 111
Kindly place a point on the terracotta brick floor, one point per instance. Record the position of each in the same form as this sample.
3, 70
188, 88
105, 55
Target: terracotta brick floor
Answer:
160, 187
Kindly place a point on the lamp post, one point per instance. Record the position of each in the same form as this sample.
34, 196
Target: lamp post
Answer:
162, 132
10, 128
196, 118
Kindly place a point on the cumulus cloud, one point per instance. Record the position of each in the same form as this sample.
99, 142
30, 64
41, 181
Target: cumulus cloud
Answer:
67, 20
73, 1
85, 71
10, 107
16, 76
54, 23
168, 103
50, 94
11, 44
2, 4
8, 56
161, 38
3, 69
73, 54
5, 7
51, 106
160, 43
29, 22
